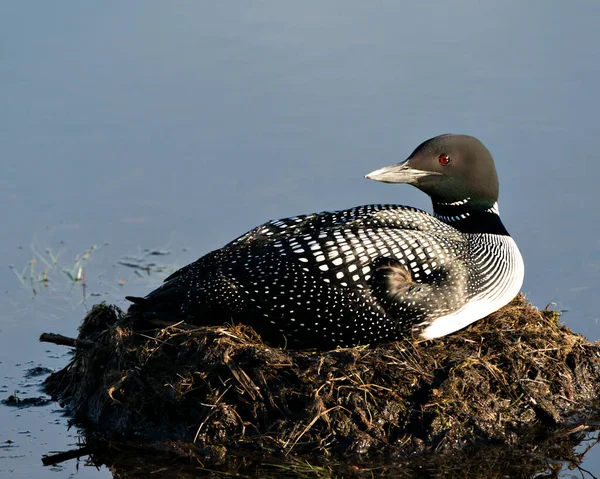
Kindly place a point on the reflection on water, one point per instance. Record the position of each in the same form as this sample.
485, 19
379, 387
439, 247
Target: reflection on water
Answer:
546, 460
184, 125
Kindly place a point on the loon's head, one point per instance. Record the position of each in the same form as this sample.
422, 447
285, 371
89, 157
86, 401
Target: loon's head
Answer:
450, 169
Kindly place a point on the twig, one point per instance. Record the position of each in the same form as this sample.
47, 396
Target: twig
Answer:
65, 456
66, 341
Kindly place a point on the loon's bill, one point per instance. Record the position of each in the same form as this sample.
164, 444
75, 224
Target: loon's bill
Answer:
398, 173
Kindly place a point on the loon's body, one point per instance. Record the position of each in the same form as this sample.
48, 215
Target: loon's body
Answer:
368, 274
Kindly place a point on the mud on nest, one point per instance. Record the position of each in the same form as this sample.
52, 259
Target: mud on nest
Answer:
206, 390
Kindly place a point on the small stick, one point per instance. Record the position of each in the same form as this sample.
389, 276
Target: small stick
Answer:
65, 456
66, 341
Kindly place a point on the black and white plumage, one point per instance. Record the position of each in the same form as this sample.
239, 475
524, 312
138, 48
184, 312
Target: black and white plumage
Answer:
368, 274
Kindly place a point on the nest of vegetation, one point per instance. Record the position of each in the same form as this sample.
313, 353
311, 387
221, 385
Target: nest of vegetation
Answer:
509, 380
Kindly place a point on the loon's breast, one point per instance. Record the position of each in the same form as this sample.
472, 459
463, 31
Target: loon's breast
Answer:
496, 276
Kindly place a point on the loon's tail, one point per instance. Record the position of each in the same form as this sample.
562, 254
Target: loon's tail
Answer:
164, 302
138, 303
144, 308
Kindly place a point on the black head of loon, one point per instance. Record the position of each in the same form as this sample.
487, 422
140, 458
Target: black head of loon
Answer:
458, 173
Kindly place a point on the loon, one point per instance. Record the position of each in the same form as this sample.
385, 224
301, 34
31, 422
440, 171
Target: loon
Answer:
364, 275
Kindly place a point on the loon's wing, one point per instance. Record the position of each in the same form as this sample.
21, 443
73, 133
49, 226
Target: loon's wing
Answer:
409, 262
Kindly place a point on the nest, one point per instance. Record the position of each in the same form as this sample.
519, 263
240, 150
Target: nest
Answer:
510, 378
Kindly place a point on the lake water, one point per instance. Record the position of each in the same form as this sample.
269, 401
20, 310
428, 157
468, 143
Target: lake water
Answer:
176, 126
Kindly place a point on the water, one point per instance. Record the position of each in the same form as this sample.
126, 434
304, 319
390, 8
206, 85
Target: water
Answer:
179, 125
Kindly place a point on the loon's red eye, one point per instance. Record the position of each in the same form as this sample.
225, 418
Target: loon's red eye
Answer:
444, 159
